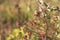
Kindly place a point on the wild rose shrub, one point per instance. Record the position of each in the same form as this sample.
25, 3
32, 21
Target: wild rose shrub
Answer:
30, 20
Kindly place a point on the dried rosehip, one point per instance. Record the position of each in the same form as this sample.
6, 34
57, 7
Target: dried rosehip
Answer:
37, 14
32, 23
42, 36
29, 33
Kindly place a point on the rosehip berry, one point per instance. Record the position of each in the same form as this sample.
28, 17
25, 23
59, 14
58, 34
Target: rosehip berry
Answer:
37, 14
32, 23
42, 36
29, 33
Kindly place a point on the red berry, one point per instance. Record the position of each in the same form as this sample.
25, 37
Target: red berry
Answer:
32, 23
42, 36
30, 33
37, 14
